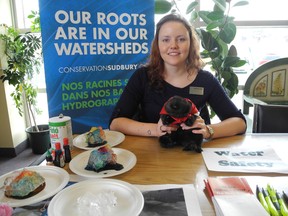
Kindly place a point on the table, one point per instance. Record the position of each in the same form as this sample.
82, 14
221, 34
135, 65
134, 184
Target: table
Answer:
157, 165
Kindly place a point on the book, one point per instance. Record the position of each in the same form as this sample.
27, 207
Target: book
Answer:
233, 196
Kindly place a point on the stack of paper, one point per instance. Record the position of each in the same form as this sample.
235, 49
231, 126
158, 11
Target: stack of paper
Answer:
233, 196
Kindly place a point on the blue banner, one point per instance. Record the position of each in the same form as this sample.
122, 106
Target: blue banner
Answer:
90, 49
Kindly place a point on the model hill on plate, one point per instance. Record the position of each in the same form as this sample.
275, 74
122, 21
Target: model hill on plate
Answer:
103, 159
96, 137
23, 184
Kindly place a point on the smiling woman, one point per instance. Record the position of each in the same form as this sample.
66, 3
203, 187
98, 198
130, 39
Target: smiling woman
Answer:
174, 68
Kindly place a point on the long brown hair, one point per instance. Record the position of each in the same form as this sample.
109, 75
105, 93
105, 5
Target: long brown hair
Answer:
156, 63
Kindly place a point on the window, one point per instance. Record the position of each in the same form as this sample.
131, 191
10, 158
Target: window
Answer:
22, 9
262, 44
259, 10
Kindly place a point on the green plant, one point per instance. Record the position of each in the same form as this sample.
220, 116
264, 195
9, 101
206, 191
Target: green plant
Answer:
215, 38
35, 21
23, 60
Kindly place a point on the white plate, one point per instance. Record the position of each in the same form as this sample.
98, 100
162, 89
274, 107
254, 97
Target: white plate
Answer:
56, 179
130, 200
113, 138
124, 157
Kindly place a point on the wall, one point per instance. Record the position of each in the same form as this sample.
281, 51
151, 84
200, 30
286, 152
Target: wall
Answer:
5, 12
12, 130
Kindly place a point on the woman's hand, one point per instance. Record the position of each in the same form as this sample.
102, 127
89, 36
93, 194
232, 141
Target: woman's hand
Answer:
163, 129
200, 127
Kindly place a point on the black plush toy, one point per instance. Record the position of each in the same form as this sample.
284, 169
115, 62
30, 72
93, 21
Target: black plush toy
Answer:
175, 111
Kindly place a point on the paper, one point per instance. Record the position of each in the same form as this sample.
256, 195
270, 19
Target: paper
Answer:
250, 160
238, 205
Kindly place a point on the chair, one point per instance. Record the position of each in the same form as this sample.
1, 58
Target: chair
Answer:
270, 118
267, 84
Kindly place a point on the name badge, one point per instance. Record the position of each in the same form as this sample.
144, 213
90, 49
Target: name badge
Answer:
196, 90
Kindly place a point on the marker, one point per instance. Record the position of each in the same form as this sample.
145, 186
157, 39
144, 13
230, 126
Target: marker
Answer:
285, 197
273, 197
283, 207
262, 200
271, 207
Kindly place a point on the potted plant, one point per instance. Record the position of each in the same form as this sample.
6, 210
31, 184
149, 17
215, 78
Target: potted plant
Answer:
23, 59
216, 38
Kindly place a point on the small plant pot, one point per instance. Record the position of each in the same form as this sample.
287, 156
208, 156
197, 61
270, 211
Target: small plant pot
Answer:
39, 141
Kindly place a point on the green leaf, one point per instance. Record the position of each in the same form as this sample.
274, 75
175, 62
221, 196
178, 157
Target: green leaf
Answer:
232, 51
232, 83
162, 6
213, 25
203, 16
228, 33
191, 7
223, 47
240, 63
221, 4
230, 61
226, 75
216, 63
216, 8
193, 16
241, 3
216, 15
204, 54
215, 52
208, 42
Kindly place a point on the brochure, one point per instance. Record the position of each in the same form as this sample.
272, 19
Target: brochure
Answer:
233, 196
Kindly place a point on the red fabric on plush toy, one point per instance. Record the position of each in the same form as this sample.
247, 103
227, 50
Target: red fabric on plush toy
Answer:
178, 110
180, 119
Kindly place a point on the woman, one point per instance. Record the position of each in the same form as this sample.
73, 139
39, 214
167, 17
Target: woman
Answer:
174, 68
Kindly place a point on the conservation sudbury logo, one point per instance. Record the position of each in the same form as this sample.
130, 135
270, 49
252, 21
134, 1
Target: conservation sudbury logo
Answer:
97, 68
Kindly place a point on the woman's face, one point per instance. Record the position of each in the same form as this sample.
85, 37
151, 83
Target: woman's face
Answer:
174, 43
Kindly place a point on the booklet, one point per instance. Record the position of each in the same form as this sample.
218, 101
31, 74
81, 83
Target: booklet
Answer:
233, 196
